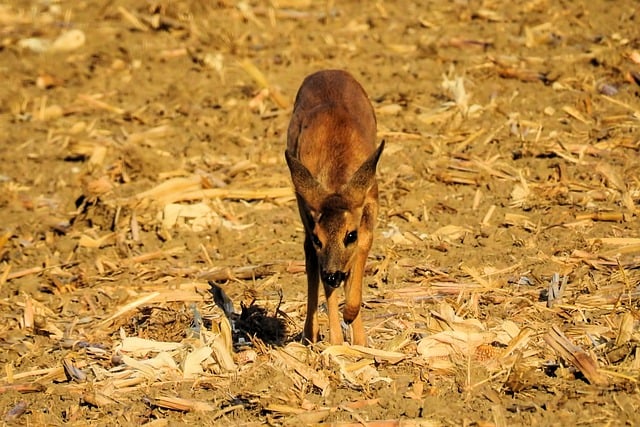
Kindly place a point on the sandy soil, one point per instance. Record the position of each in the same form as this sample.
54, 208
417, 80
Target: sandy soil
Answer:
511, 168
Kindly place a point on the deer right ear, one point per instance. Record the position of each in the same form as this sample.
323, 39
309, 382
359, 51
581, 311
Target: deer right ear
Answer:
306, 186
363, 178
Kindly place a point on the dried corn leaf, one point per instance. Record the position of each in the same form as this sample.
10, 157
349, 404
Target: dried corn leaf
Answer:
626, 329
89, 242
391, 357
613, 178
221, 342
450, 233
143, 368
193, 188
564, 348
131, 306
454, 343
288, 357
98, 399
181, 404
576, 114
192, 365
356, 374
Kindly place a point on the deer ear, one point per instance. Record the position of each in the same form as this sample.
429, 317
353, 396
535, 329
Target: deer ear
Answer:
306, 186
364, 178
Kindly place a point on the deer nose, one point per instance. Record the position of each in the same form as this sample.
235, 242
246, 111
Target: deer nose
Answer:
333, 279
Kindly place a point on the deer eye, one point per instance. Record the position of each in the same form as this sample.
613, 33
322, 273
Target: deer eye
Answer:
350, 238
316, 241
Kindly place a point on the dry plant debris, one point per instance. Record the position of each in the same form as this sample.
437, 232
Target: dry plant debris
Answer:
150, 262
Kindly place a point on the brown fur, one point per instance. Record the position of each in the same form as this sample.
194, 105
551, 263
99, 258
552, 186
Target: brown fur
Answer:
332, 156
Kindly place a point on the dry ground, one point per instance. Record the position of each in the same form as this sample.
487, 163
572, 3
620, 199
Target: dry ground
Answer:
142, 156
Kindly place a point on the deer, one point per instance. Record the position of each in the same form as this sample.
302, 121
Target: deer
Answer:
332, 158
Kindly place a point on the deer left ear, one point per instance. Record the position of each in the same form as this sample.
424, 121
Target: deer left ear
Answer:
364, 178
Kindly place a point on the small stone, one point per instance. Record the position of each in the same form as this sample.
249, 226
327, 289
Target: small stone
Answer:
68, 41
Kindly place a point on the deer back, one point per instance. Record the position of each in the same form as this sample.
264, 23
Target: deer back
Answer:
333, 128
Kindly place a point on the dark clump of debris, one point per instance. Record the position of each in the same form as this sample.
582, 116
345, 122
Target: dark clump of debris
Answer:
253, 321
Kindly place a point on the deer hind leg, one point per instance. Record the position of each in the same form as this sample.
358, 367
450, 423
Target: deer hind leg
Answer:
311, 329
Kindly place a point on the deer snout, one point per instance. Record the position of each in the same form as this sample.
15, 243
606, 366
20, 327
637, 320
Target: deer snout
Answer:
333, 279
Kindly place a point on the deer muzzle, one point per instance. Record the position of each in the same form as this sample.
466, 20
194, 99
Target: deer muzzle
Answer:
333, 279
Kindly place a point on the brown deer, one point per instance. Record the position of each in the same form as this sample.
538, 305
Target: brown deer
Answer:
332, 156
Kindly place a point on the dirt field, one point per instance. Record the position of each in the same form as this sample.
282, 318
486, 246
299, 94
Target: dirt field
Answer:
143, 157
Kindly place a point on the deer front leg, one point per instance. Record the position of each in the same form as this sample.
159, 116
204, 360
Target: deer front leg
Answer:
353, 289
335, 330
311, 329
353, 299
